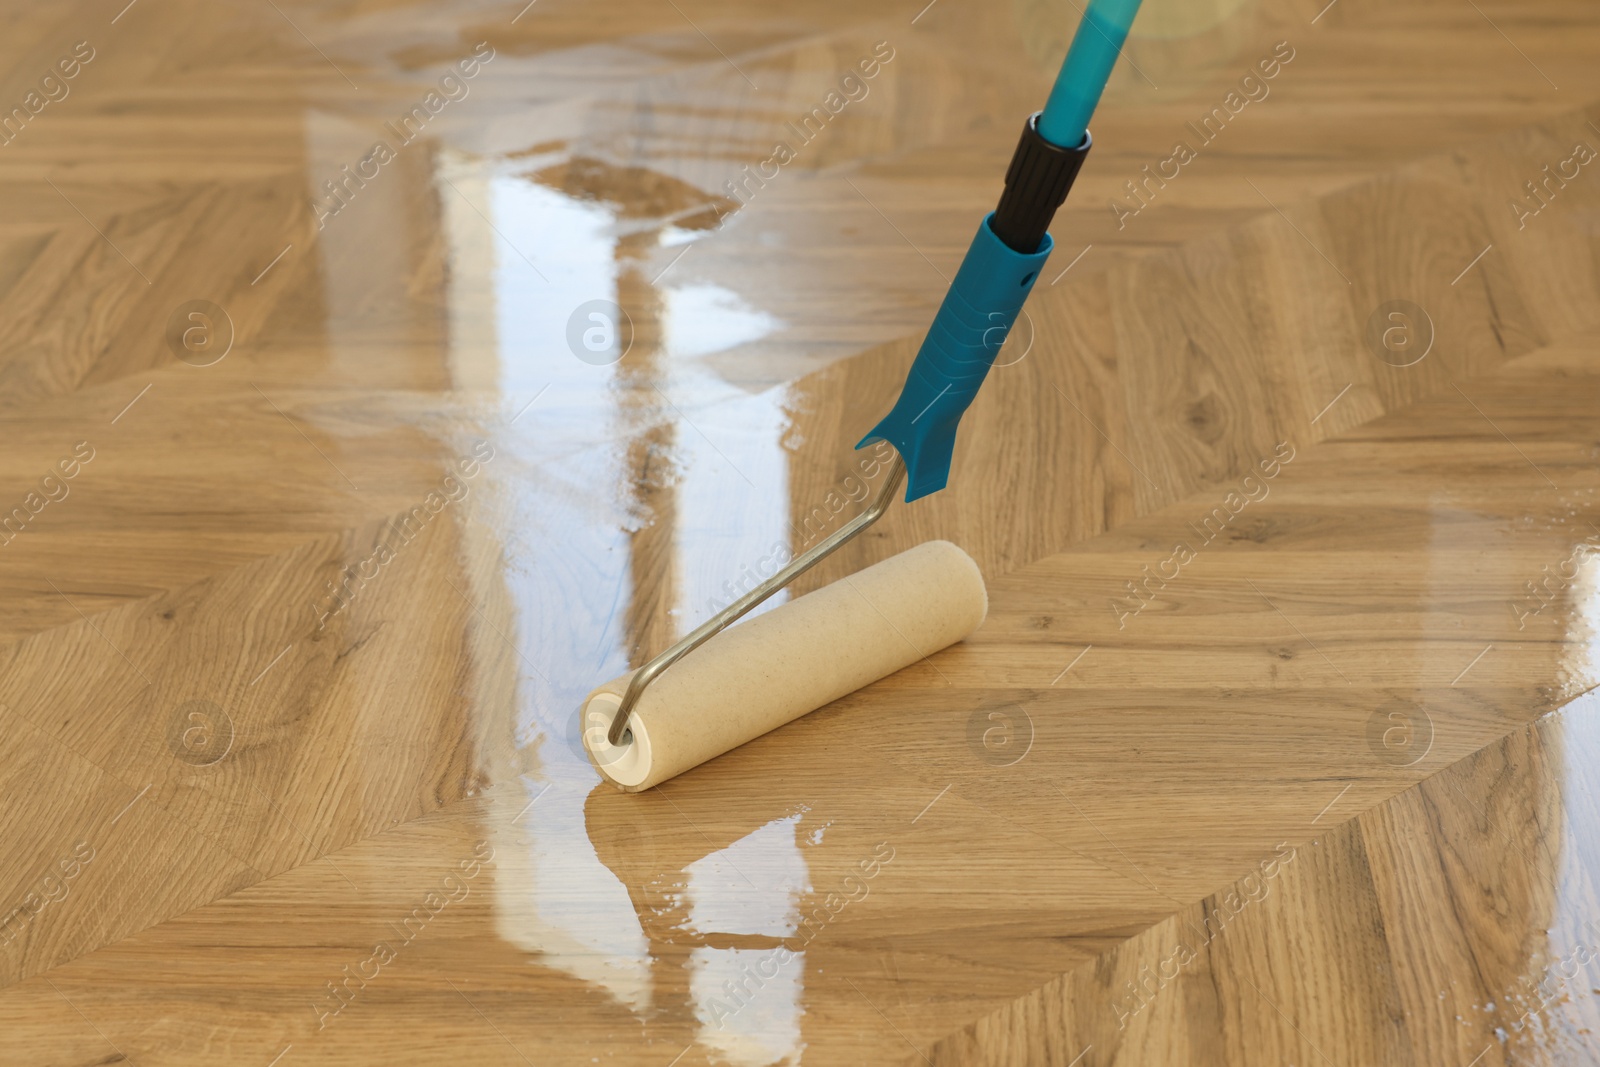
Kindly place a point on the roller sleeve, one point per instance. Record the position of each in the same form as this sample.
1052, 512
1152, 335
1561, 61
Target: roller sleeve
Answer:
772, 669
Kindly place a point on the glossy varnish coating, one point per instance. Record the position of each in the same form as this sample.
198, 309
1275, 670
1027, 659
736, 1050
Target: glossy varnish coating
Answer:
1290, 629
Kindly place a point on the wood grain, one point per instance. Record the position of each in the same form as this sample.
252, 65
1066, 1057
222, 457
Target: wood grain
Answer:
290, 754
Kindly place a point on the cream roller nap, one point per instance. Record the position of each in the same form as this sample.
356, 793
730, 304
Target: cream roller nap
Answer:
772, 669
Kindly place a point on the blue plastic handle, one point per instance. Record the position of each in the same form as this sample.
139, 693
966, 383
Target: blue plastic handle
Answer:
966, 335
994, 281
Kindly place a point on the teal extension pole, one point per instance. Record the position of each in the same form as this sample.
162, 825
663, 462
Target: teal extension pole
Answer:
1004, 260
999, 271
1084, 72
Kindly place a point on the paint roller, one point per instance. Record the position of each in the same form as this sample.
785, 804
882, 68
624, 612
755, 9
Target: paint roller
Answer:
655, 723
